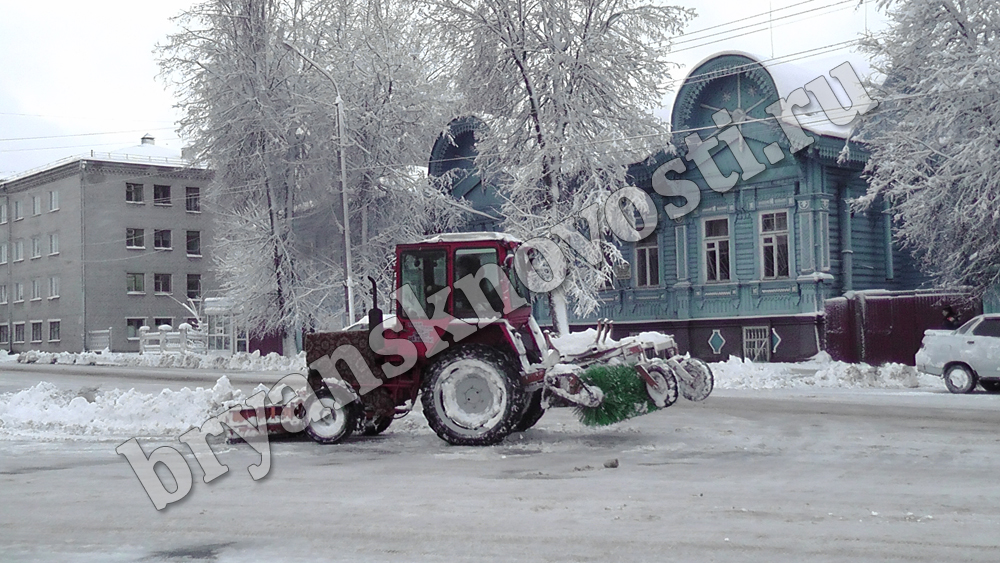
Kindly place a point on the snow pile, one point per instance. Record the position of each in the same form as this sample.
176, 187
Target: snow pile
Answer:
818, 372
44, 410
577, 343
240, 361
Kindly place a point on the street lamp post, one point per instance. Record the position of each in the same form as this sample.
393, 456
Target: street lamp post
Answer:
349, 281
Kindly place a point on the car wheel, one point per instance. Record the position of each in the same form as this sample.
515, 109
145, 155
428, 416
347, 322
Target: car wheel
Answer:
991, 386
960, 378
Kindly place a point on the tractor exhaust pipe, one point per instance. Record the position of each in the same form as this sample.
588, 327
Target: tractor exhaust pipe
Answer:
374, 314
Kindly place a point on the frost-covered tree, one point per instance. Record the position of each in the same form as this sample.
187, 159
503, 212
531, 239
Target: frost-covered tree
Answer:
567, 89
935, 137
258, 80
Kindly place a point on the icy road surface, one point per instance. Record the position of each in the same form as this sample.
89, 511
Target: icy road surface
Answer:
749, 475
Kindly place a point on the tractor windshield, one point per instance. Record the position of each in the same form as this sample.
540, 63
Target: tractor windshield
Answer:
426, 272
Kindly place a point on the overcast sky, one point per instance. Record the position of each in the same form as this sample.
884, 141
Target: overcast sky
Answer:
80, 76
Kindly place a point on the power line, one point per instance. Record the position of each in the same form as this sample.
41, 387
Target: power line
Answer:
84, 134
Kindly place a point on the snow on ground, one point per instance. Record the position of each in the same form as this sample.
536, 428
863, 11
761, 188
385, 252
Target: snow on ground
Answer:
240, 361
45, 411
820, 371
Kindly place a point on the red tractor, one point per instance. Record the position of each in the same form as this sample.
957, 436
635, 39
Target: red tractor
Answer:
463, 341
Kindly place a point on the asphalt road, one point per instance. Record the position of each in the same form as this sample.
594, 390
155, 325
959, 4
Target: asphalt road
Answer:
745, 476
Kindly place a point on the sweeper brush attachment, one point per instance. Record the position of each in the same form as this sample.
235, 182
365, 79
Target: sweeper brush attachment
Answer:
625, 396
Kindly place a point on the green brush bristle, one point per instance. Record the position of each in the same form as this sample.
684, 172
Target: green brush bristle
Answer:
625, 395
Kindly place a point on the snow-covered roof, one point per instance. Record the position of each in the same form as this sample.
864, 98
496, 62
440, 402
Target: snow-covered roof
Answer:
790, 75
471, 237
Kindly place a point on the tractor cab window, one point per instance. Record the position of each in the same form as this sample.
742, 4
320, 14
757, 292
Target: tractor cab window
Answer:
470, 262
426, 272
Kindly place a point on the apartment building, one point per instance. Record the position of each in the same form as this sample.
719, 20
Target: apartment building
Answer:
92, 248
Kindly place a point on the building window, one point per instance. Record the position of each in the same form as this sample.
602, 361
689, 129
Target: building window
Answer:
18, 333
36, 290
17, 251
192, 199
134, 238
135, 283
163, 321
132, 327
3, 252
36, 205
53, 287
647, 262
194, 286
161, 195
757, 343
36, 247
3, 294
18, 212
36, 331
4, 334
194, 243
774, 244
161, 239
18, 292
717, 250
53, 243
133, 193
53, 200
3, 213
161, 284
53, 331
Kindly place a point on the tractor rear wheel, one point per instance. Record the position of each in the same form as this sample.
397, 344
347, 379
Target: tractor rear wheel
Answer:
472, 396
533, 412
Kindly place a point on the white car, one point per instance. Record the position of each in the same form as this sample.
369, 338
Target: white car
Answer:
965, 356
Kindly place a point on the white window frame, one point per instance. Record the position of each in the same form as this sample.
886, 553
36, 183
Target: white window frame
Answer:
187, 199
41, 331
17, 251
36, 289
142, 193
59, 329
142, 323
128, 239
13, 335
53, 244
187, 238
36, 247
170, 322
36, 205
18, 295
646, 247
161, 201
3, 213
54, 287
18, 211
3, 252
775, 235
707, 241
170, 282
129, 278
3, 294
4, 334
170, 235
53, 200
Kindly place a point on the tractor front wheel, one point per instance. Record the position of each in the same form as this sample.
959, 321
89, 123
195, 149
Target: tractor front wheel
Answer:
472, 396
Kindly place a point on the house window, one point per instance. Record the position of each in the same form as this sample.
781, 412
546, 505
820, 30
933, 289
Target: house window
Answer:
4, 334
194, 243
18, 333
18, 292
36, 205
161, 195
18, 212
132, 327
53, 331
161, 239
163, 321
53, 287
3, 213
194, 286
717, 250
192, 199
133, 193
161, 284
53, 200
3, 294
36, 247
135, 283
53, 243
647, 262
17, 251
134, 238
36, 331
757, 343
3, 252
36, 290
774, 244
